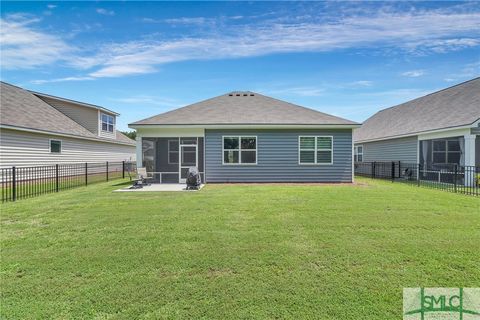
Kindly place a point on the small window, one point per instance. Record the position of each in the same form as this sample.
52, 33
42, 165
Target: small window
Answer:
173, 151
358, 154
55, 146
315, 150
240, 150
108, 123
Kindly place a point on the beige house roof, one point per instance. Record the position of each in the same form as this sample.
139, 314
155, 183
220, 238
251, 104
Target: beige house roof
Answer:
243, 108
22, 109
451, 107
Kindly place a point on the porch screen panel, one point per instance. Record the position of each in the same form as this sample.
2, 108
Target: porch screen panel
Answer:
148, 154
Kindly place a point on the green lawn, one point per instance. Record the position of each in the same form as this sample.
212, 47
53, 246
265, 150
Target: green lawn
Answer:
234, 251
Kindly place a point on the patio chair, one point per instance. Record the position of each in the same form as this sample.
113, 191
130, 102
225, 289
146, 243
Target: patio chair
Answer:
142, 179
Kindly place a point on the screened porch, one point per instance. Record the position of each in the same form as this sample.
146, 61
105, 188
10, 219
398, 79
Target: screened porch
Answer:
167, 159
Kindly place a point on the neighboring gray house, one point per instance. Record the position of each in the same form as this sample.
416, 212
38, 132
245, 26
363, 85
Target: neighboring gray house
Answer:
39, 129
246, 137
437, 131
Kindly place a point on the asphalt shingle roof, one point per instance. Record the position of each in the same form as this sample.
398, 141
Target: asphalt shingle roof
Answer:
21, 108
451, 107
239, 108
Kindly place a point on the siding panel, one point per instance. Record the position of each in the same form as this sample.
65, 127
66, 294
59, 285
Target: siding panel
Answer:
31, 149
402, 149
277, 158
86, 117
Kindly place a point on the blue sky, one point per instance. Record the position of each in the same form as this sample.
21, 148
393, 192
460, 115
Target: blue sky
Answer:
349, 59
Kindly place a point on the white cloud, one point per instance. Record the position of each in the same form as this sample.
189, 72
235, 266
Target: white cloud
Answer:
62, 80
362, 83
412, 31
197, 20
105, 12
149, 100
413, 73
406, 31
24, 47
191, 20
308, 91
119, 70
51, 6
468, 71
398, 95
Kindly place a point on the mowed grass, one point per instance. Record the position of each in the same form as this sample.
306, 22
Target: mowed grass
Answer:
234, 251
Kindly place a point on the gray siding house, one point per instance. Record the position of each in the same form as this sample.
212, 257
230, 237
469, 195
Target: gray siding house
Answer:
246, 137
436, 131
39, 129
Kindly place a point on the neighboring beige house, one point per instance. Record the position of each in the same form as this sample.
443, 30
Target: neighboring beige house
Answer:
39, 129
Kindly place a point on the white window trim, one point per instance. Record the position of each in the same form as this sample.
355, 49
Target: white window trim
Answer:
240, 150
101, 123
446, 150
178, 152
315, 151
50, 145
356, 153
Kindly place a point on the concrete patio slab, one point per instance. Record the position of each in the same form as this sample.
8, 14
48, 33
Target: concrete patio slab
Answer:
164, 187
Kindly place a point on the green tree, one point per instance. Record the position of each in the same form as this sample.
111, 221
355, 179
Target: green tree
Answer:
130, 134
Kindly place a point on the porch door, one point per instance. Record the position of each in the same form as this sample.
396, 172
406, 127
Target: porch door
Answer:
188, 158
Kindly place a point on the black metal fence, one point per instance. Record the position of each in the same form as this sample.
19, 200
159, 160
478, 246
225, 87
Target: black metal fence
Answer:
453, 178
26, 182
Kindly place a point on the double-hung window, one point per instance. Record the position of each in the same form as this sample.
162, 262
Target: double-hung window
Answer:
108, 122
239, 150
446, 151
315, 150
358, 154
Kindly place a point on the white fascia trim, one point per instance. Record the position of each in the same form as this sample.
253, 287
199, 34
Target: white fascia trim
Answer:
444, 134
248, 126
3, 126
417, 133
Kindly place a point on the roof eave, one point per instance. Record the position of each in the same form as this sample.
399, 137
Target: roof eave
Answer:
247, 126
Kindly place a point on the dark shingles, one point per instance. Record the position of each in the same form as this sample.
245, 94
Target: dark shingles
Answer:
238, 108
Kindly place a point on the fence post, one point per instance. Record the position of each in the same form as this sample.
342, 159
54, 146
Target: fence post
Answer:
14, 184
393, 171
86, 173
123, 169
106, 170
455, 178
373, 170
56, 177
419, 166
399, 169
